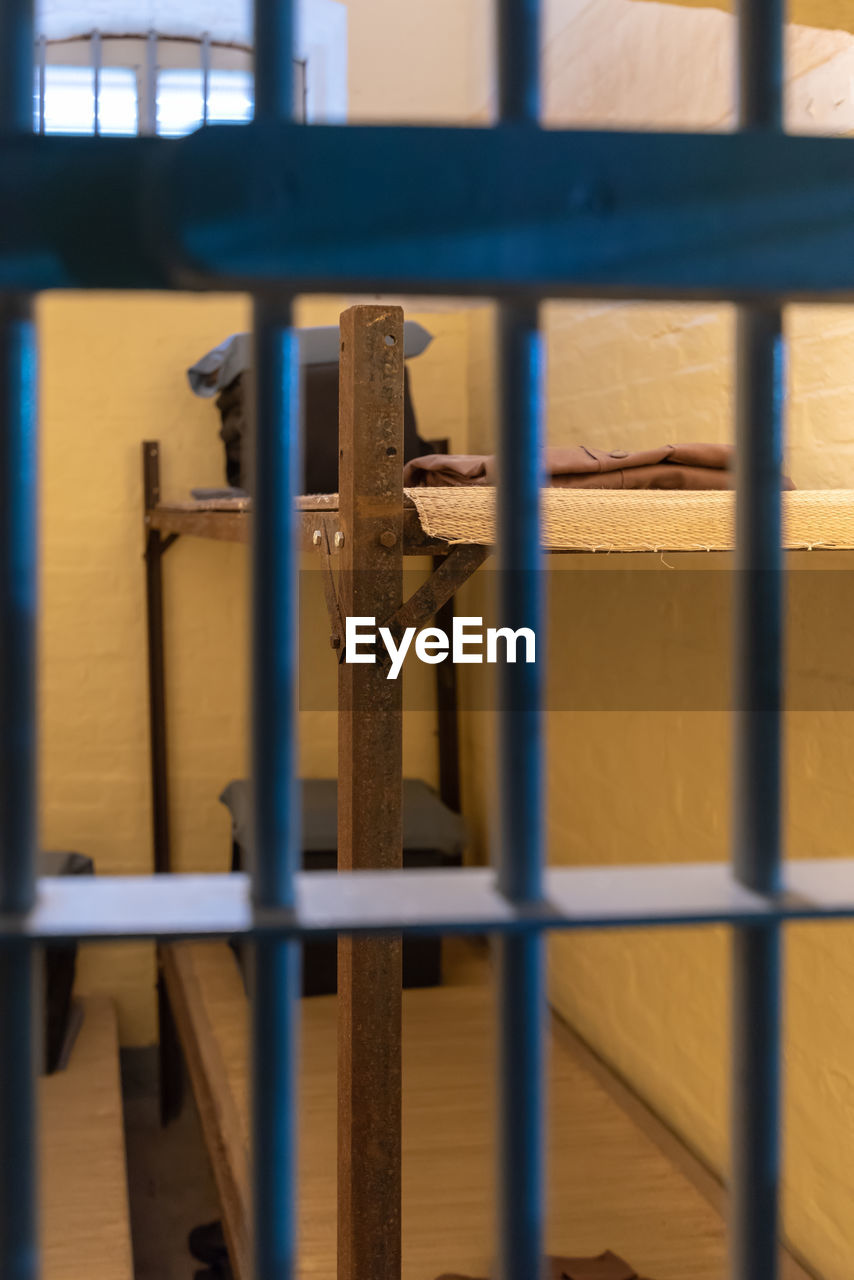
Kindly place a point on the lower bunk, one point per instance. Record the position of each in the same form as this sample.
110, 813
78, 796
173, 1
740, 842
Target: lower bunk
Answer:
85, 1231
612, 1184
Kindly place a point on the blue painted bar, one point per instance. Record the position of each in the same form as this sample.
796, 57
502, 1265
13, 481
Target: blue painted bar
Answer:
275, 612
759, 605
761, 64
521, 583
518, 212
520, 818
757, 1043
275, 42
518, 53
275, 1011
17, 44
19, 1250
521, 958
18, 601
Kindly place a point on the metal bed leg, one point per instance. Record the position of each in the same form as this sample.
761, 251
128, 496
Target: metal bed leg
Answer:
171, 1072
370, 792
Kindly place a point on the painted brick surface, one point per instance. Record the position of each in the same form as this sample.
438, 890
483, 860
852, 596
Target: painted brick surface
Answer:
651, 785
113, 374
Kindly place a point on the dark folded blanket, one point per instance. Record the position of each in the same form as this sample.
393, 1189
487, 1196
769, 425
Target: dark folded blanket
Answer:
607, 1266
671, 466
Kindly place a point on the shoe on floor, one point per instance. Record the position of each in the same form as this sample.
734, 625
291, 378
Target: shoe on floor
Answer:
207, 1244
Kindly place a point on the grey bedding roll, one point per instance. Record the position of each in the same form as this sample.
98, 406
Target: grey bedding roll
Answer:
428, 824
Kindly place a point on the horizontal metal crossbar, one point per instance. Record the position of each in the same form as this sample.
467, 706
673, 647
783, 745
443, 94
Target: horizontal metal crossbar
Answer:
437, 901
501, 212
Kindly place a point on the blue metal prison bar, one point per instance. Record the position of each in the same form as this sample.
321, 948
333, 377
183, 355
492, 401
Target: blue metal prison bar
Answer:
276, 443
760, 399
521, 959
18, 565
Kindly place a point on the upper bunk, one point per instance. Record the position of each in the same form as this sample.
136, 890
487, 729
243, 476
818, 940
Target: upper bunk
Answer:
574, 520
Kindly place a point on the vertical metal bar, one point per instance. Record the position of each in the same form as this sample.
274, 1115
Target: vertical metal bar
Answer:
95, 53
42, 81
761, 64
205, 54
275, 44
520, 848
518, 32
17, 33
148, 97
18, 555
277, 479
18, 578
760, 400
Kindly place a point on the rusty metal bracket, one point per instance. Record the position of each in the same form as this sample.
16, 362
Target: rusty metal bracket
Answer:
456, 568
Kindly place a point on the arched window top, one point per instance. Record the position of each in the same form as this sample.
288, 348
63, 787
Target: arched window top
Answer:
121, 78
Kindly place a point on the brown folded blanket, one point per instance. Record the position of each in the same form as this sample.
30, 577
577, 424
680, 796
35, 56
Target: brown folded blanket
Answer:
671, 466
607, 1266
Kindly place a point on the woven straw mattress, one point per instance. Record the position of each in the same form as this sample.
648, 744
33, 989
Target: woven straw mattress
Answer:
640, 520
611, 520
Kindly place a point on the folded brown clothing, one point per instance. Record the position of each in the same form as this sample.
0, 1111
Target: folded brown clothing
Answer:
670, 466
607, 1266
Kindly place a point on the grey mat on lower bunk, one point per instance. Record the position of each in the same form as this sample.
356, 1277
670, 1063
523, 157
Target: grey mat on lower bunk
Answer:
429, 826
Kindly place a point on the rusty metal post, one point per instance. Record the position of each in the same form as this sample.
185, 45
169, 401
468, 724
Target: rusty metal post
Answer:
370, 788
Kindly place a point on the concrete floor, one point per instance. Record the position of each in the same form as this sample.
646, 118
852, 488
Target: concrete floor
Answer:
170, 1182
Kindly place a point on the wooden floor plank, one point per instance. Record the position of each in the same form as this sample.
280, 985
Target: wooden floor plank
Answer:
85, 1216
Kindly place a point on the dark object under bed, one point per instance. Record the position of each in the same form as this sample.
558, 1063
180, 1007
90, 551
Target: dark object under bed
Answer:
433, 836
60, 965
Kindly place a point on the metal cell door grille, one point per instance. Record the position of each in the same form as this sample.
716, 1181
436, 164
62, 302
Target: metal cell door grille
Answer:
754, 217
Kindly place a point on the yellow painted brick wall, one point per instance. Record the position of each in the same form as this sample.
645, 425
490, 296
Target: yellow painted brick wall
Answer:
113, 374
652, 785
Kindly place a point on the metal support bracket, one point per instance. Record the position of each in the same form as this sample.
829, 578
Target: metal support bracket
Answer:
443, 583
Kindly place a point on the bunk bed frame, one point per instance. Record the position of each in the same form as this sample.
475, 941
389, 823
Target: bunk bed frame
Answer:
368, 528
